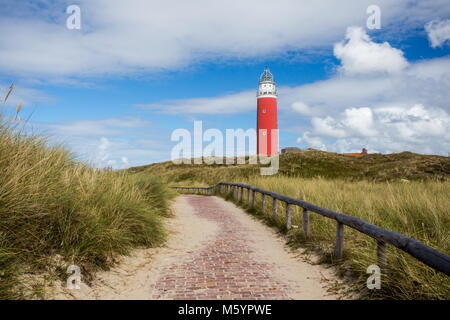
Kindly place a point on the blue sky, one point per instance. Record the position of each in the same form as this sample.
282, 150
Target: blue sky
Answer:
115, 90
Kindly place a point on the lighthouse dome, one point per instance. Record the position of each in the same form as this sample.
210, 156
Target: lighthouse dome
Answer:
266, 85
266, 76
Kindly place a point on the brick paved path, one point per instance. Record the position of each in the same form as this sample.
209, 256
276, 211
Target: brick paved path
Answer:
215, 251
224, 268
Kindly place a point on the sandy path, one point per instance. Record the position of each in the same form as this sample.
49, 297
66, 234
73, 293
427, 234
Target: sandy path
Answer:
216, 251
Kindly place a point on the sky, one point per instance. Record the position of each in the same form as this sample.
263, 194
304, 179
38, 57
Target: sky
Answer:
114, 90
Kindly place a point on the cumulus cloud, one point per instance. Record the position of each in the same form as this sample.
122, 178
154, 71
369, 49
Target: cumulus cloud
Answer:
328, 127
360, 55
438, 32
313, 142
168, 35
386, 129
356, 122
384, 112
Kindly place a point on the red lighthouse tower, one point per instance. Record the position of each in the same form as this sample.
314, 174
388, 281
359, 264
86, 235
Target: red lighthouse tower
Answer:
267, 126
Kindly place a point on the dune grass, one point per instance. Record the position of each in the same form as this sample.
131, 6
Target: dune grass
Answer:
416, 209
56, 211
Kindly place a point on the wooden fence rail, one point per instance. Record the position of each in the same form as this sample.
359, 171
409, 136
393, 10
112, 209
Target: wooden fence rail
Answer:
429, 256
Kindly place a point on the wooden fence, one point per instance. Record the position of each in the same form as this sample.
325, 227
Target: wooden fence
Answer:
429, 256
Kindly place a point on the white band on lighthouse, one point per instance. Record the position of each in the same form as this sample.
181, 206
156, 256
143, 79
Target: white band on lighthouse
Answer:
266, 96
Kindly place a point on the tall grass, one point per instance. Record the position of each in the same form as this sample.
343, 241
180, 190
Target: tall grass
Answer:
56, 211
416, 209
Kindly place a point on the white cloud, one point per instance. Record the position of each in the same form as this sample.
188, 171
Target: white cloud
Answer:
303, 108
94, 127
313, 142
438, 32
425, 82
355, 122
137, 36
111, 142
360, 121
125, 162
226, 104
328, 127
28, 96
102, 152
389, 129
359, 54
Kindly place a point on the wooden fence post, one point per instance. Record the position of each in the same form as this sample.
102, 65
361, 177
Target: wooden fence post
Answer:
242, 193
274, 208
288, 215
263, 206
381, 254
306, 223
339, 240
248, 195
254, 198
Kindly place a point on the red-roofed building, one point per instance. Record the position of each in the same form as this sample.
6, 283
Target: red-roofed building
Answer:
363, 152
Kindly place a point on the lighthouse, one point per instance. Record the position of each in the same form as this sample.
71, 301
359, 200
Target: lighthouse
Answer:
266, 123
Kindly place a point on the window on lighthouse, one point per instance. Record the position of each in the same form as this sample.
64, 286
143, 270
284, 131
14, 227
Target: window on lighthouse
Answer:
264, 110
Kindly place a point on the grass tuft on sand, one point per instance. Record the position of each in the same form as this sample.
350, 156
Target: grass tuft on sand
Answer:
56, 211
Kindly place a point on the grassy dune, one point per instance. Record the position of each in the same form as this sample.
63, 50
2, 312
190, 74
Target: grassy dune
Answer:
56, 211
417, 208
314, 163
